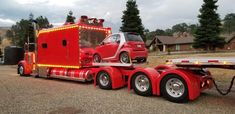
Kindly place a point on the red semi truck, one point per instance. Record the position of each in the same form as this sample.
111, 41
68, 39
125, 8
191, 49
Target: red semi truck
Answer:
67, 52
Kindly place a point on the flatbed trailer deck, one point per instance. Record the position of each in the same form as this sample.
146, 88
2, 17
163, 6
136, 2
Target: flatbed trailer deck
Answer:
205, 62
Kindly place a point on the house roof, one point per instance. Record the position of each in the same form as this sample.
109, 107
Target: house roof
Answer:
174, 40
149, 42
169, 40
229, 37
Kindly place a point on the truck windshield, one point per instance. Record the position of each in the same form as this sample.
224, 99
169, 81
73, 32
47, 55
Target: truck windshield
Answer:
133, 37
90, 38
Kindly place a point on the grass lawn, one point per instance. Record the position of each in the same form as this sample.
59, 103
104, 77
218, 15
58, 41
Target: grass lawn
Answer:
221, 75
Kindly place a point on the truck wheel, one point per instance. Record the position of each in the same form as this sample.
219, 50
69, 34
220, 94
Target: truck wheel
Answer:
104, 81
96, 58
141, 84
174, 88
124, 57
21, 70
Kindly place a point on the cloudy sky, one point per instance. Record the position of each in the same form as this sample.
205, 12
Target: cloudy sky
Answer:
154, 13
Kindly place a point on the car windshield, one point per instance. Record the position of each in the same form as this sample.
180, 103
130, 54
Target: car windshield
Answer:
133, 37
90, 38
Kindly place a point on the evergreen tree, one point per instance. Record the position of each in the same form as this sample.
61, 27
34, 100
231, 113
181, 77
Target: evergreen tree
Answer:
207, 34
70, 18
131, 21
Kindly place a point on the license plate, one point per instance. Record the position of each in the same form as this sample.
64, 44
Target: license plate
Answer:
139, 46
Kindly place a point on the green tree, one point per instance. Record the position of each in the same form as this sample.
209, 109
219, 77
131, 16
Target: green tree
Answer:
70, 18
182, 27
160, 32
229, 23
43, 22
131, 21
207, 35
150, 35
168, 32
23, 30
192, 28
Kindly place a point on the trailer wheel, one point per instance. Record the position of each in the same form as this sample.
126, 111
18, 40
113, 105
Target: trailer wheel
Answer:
124, 57
96, 58
21, 70
141, 84
174, 88
104, 81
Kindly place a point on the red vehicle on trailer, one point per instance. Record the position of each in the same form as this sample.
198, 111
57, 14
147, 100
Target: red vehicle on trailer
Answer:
67, 52
125, 47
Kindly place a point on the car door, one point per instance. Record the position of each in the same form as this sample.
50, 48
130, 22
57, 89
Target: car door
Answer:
102, 48
108, 47
115, 40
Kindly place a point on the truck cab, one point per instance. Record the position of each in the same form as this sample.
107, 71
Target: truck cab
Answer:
64, 51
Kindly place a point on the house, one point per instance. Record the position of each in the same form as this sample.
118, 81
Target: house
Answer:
170, 43
230, 41
166, 43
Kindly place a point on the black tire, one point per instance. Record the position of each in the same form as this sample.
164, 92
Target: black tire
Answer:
139, 88
124, 57
104, 81
144, 60
141, 61
171, 93
96, 58
21, 70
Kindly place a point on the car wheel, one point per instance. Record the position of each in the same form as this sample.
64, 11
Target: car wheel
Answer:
174, 88
104, 81
96, 58
141, 84
21, 70
124, 57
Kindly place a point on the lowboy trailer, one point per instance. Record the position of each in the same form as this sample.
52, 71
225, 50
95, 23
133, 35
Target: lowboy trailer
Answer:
65, 52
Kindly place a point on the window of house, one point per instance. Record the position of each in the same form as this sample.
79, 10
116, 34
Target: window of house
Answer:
177, 47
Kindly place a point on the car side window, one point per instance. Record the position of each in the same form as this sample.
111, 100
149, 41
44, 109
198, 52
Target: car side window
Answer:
118, 38
107, 40
112, 39
115, 38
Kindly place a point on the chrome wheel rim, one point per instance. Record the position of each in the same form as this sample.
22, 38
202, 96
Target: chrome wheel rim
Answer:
124, 58
142, 83
21, 69
104, 80
175, 87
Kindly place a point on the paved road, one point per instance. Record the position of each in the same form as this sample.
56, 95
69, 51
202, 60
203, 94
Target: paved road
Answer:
28, 95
